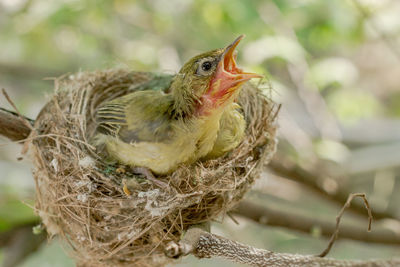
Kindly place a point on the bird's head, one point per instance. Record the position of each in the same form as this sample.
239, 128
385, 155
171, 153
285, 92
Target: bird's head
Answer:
210, 80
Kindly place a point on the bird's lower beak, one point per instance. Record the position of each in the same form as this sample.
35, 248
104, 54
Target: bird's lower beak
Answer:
228, 77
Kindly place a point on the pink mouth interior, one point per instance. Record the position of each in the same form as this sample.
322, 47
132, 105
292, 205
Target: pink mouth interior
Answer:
230, 62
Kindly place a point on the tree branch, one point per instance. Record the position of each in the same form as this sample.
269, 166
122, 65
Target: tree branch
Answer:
281, 218
283, 167
27, 71
12, 126
206, 245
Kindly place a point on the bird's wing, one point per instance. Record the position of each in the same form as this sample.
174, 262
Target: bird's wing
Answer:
155, 82
111, 117
137, 117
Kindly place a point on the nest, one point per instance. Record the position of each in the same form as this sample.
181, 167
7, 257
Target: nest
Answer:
81, 199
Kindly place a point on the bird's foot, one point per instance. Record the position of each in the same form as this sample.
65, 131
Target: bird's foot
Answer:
149, 176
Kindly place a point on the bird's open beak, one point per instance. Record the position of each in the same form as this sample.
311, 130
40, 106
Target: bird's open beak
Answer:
228, 77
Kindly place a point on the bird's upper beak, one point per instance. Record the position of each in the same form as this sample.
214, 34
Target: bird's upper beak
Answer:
228, 77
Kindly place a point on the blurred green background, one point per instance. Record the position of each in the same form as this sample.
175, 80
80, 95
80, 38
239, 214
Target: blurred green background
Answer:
334, 65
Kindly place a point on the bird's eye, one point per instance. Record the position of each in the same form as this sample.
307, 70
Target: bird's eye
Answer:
206, 66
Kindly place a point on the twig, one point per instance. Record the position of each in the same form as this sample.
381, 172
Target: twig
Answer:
339, 217
230, 215
206, 245
268, 216
23, 118
288, 169
12, 126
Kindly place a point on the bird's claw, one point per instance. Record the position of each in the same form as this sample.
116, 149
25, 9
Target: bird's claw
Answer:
149, 176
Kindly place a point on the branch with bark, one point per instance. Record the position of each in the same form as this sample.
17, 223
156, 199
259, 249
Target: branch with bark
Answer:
206, 245
12, 126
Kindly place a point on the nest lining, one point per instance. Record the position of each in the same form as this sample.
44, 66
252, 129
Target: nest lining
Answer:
81, 199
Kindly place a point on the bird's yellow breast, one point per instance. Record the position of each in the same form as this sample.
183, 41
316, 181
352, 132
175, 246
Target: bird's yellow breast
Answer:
190, 142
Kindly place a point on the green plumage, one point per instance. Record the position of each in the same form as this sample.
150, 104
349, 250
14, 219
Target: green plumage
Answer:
157, 125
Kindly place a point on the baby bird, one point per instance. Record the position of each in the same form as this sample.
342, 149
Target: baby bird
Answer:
195, 118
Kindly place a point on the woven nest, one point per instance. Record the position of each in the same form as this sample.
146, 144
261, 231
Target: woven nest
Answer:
81, 199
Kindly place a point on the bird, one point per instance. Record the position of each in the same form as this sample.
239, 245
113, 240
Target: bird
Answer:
196, 117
